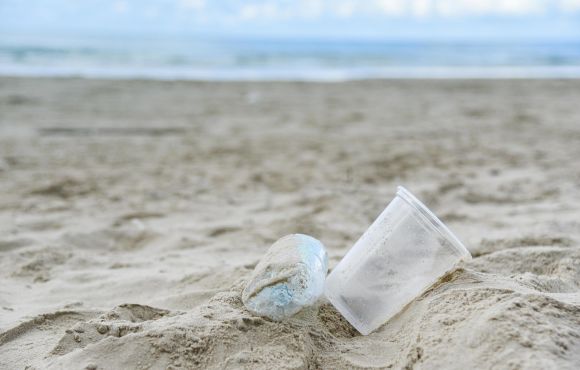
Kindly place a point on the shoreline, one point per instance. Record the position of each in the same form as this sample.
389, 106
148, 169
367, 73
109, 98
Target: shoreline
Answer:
323, 75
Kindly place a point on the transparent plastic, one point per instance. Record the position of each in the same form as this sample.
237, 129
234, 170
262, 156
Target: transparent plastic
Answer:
289, 277
404, 252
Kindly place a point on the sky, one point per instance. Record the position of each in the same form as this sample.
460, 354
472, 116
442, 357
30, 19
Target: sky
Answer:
336, 19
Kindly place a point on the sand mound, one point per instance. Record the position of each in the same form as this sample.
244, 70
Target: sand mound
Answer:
468, 310
127, 231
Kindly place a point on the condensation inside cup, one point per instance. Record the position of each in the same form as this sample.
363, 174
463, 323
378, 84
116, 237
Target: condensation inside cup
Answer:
403, 252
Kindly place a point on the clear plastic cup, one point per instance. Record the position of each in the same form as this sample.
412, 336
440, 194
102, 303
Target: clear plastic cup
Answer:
405, 251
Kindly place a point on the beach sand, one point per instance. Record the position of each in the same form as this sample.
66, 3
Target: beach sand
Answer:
133, 212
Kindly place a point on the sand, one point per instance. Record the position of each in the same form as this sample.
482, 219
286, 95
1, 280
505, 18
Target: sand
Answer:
133, 213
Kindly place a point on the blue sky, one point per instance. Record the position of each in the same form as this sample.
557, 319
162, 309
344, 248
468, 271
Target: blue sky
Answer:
375, 19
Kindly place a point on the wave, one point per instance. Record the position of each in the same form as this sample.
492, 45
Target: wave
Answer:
232, 60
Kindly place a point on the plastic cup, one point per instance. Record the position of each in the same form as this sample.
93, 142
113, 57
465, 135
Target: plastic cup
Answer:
405, 251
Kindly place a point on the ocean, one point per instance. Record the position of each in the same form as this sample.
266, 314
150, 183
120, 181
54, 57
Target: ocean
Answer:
267, 59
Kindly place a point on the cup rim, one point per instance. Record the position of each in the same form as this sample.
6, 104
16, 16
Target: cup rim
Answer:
433, 221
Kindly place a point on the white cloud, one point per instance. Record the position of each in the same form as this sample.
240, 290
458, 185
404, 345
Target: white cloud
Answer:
192, 4
310, 8
249, 11
451, 8
306, 9
120, 7
521, 7
266, 11
570, 6
421, 8
345, 9
313, 9
391, 7
457, 8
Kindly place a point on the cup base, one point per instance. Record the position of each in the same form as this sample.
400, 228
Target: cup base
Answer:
345, 312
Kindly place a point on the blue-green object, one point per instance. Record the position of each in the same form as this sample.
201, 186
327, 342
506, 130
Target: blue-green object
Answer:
289, 277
